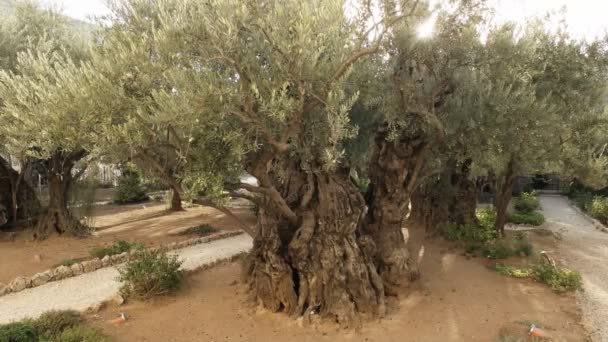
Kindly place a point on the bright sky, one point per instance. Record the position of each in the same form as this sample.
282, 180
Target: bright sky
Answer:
585, 18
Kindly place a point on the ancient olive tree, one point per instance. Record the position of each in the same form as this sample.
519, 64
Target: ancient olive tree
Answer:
412, 125
266, 84
50, 112
29, 26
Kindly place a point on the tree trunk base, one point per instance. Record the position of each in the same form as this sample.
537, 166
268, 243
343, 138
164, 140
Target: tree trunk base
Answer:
320, 267
59, 222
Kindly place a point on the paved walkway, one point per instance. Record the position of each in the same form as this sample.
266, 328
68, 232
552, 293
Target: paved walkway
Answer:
81, 292
585, 249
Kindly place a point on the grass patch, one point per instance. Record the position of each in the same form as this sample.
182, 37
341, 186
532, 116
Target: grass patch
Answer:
532, 218
117, 247
200, 230
53, 326
560, 279
153, 273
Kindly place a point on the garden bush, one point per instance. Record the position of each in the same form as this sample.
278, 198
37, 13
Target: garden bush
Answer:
18, 332
532, 218
499, 249
486, 218
558, 278
598, 208
152, 273
527, 202
51, 324
118, 247
82, 333
130, 189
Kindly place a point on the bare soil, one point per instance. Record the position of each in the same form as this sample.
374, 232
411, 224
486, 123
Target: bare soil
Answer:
148, 223
457, 299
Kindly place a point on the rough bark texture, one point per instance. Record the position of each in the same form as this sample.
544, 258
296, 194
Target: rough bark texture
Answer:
57, 218
17, 197
503, 197
393, 172
322, 264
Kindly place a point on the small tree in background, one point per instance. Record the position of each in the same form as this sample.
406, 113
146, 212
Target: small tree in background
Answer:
130, 188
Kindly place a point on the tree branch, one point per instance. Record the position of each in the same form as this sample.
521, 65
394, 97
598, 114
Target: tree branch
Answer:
227, 212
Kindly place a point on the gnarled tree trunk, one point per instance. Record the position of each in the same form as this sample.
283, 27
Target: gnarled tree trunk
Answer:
393, 172
503, 197
57, 218
321, 262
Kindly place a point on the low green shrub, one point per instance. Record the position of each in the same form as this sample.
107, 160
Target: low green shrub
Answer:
130, 189
117, 247
200, 230
82, 333
523, 247
152, 273
527, 202
513, 271
486, 218
532, 218
51, 324
558, 278
469, 233
18, 332
499, 249
598, 208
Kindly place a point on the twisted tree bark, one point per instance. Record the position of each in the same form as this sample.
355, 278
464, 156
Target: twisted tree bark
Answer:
393, 171
57, 218
321, 263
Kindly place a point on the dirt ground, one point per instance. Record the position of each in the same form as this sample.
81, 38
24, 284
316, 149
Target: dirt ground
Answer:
148, 223
458, 299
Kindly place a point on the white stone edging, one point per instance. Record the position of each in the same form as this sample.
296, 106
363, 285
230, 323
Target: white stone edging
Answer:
62, 272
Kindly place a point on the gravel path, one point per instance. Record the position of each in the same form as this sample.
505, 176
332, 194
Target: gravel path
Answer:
585, 249
89, 289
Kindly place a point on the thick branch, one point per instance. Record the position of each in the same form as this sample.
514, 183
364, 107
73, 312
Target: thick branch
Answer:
223, 209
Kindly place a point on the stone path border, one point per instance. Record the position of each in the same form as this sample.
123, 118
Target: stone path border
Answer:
90, 265
90, 290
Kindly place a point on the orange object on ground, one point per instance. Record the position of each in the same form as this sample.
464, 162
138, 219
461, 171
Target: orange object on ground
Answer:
537, 332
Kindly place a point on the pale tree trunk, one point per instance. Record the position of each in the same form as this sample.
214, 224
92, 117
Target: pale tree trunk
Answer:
394, 170
58, 218
504, 194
